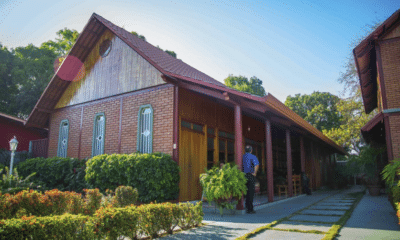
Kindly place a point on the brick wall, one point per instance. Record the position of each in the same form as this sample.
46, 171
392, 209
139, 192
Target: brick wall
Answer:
394, 122
74, 116
390, 52
160, 98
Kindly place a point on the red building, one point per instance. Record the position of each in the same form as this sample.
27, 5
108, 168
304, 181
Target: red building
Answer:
12, 126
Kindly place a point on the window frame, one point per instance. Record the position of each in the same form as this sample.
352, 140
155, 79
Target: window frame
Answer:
59, 135
139, 143
94, 132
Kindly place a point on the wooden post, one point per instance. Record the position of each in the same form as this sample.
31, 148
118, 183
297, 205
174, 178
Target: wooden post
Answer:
312, 167
289, 163
270, 165
302, 155
238, 145
175, 146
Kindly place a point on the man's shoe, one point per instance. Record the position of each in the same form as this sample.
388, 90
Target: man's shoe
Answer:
251, 212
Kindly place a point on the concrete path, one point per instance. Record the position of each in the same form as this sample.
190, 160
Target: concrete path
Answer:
372, 219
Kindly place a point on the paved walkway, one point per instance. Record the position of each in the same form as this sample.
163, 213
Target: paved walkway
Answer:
372, 219
317, 213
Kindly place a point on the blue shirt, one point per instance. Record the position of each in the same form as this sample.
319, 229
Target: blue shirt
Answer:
249, 162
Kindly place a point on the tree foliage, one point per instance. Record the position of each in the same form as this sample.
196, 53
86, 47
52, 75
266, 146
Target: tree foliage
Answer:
138, 35
26, 71
319, 109
241, 83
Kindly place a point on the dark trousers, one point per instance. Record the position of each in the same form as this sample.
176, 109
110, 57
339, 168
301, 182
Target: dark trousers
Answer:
251, 182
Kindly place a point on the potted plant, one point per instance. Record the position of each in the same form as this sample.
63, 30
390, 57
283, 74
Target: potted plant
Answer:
224, 186
391, 175
368, 162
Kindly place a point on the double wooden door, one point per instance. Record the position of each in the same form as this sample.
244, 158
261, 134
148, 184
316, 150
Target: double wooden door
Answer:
193, 162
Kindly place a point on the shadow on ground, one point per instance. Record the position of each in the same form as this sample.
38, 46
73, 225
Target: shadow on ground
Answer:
206, 232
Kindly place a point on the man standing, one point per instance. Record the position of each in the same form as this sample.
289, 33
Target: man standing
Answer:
250, 168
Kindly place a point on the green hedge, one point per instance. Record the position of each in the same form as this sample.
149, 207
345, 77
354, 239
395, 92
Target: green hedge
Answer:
65, 174
155, 176
108, 223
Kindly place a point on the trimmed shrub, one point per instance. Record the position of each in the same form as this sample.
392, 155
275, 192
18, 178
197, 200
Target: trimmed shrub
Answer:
92, 200
65, 226
65, 174
125, 195
111, 222
155, 176
53, 202
190, 215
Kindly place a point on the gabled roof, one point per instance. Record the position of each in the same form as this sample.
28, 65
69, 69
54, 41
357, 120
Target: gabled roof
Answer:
171, 68
12, 118
365, 58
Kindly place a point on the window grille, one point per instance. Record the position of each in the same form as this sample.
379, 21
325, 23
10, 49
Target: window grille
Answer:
98, 134
63, 139
145, 129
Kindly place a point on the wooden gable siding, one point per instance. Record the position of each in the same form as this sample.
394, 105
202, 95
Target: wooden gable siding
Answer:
393, 33
122, 70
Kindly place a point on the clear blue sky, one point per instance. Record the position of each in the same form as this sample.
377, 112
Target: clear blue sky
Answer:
292, 46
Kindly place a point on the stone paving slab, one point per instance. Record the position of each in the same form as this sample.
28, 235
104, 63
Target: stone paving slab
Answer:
283, 235
304, 226
333, 204
323, 212
311, 218
331, 207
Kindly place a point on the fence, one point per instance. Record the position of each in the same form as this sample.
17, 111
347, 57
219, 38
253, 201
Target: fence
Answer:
39, 148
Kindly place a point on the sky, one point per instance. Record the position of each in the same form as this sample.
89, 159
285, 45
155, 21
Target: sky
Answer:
292, 46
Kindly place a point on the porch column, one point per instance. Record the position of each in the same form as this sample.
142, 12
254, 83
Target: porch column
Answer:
289, 163
270, 165
175, 147
238, 145
302, 155
312, 167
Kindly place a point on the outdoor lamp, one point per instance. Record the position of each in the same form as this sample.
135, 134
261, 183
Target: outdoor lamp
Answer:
13, 147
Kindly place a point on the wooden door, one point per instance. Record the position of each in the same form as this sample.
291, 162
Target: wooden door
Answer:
192, 161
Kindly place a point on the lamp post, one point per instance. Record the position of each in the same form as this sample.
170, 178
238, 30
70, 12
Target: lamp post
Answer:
13, 147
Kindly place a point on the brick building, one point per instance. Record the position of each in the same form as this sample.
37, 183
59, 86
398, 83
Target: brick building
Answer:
378, 66
116, 93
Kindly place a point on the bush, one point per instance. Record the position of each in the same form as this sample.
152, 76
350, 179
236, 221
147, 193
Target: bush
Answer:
125, 195
224, 185
155, 176
109, 223
65, 174
55, 227
114, 222
5, 157
53, 202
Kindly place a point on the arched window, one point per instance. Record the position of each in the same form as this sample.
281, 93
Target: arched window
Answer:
98, 134
63, 139
145, 129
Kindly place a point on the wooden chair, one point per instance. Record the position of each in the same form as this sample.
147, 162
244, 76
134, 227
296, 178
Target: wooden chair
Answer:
296, 184
282, 189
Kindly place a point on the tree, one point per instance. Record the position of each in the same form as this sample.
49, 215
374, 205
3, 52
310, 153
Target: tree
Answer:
138, 35
66, 39
8, 88
348, 134
33, 69
241, 83
319, 109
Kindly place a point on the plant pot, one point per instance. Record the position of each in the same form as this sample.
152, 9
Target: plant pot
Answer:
374, 190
